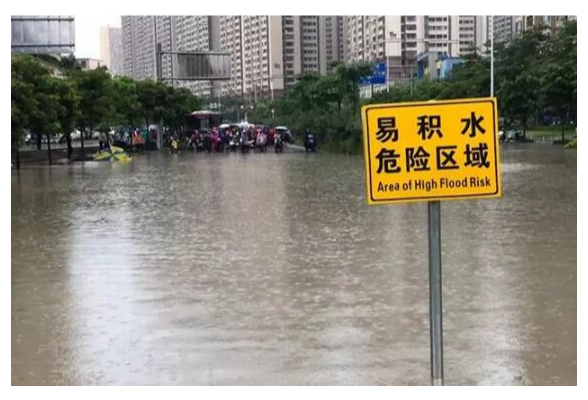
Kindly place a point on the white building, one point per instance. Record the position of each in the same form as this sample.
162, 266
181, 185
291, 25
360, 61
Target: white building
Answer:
180, 33
310, 44
267, 52
400, 39
549, 23
90, 63
111, 49
331, 42
255, 44
194, 33
138, 35
504, 27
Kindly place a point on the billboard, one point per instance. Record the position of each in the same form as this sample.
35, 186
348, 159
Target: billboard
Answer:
202, 65
42, 34
378, 76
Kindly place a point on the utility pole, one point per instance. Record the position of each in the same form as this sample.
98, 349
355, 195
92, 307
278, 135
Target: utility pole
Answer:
492, 56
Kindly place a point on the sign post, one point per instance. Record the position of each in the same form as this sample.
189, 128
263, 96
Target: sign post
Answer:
435, 296
379, 76
432, 151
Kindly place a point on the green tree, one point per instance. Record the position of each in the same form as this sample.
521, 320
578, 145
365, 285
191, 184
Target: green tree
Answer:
262, 113
558, 82
329, 105
94, 88
517, 77
468, 80
153, 98
348, 77
126, 108
22, 104
68, 103
180, 102
40, 102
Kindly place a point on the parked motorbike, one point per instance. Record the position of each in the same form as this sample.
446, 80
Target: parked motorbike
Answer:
310, 143
278, 144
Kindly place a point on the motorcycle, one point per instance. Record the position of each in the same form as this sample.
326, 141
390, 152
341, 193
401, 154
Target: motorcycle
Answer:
217, 144
195, 142
310, 143
234, 143
278, 144
260, 142
174, 145
246, 144
207, 142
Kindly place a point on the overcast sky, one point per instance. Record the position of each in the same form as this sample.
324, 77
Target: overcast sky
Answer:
88, 33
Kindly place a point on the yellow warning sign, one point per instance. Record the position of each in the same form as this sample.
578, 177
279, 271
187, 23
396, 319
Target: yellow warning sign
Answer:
436, 150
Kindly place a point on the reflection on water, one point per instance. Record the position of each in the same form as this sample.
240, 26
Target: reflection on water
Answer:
271, 269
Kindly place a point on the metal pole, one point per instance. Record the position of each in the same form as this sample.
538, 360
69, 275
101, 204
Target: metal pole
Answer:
159, 71
411, 77
171, 51
491, 56
435, 293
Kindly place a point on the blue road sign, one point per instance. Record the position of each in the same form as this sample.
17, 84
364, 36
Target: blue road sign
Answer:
378, 76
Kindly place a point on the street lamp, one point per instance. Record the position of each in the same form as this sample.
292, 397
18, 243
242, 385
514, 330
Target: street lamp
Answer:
492, 56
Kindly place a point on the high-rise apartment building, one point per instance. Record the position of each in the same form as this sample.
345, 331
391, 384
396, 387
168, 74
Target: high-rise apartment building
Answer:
111, 49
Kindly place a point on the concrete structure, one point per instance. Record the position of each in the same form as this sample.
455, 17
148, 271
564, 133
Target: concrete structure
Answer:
105, 45
503, 27
42, 34
310, 44
507, 27
180, 33
267, 53
548, 22
111, 49
331, 39
434, 66
196, 33
90, 63
231, 40
138, 35
255, 43
400, 39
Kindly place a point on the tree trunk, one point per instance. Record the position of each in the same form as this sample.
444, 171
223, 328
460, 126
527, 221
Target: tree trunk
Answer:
525, 130
17, 159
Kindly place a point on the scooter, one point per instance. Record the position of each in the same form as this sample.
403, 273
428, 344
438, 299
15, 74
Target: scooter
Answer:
246, 144
310, 143
278, 144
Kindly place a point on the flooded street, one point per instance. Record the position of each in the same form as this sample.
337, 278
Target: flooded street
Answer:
271, 269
